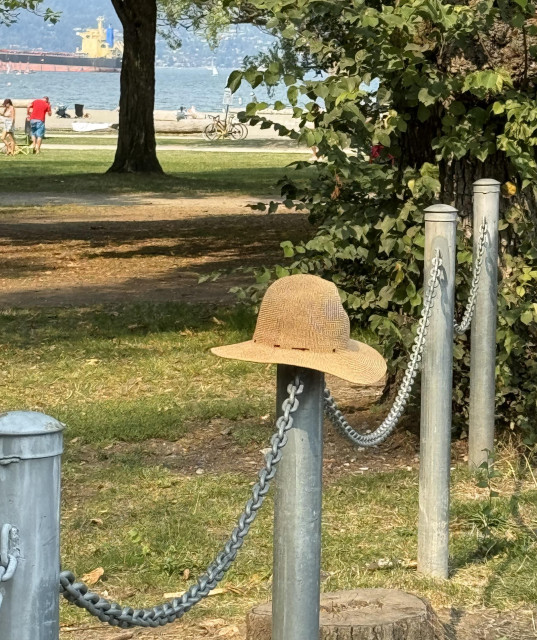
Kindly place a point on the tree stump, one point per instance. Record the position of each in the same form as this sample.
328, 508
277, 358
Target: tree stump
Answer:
362, 614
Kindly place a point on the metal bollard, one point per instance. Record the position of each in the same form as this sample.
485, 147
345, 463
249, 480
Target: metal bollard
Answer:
297, 514
31, 445
436, 398
483, 352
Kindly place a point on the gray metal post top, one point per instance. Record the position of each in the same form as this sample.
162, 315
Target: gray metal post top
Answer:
28, 435
486, 185
441, 213
28, 423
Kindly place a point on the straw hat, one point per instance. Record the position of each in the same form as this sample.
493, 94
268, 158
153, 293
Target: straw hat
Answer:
302, 322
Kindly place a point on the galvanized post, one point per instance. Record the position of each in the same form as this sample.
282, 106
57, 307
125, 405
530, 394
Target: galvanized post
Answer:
436, 397
297, 513
31, 445
483, 352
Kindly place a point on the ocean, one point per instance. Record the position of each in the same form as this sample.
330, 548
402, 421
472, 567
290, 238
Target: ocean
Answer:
174, 88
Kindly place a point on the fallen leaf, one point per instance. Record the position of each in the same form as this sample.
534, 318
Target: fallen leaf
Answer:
97, 522
93, 576
233, 589
186, 574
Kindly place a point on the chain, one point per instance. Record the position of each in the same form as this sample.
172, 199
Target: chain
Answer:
385, 429
470, 307
116, 615
9, 555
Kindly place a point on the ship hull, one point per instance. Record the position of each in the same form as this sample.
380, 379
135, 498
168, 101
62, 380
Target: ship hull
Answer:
11, 61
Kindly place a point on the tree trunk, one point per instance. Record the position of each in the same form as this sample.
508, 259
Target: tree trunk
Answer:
136, 148
458, 176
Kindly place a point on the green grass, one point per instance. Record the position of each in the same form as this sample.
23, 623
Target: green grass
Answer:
191, 141
129, 372
189, 173
145, 546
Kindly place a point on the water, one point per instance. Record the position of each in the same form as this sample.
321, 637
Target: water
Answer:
175, 88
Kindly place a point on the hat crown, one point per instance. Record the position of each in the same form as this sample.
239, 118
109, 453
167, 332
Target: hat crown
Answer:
305, 313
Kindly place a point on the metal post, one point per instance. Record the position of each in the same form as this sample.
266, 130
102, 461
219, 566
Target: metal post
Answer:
297, 514
31, 445
436, 397
483, 353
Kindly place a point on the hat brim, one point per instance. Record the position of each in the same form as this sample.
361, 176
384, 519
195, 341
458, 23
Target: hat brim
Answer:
360, 363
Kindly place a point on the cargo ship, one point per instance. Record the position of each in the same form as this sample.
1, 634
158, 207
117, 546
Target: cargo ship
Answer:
99, 52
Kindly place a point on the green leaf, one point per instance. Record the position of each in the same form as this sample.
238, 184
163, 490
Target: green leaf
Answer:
425, 97
234, 81
288, 249
292, 94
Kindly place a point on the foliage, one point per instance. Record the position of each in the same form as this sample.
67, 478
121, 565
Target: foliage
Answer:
456, 102
9, 10
207, 18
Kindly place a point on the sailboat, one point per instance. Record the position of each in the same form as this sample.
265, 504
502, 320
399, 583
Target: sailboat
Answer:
213, 68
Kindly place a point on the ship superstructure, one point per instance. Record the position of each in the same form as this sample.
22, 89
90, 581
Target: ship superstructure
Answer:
99, 52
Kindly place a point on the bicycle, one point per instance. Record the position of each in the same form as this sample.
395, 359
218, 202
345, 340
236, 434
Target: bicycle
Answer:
219, 129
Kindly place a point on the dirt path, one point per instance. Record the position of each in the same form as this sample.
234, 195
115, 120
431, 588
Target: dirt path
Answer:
125, 248
187, 207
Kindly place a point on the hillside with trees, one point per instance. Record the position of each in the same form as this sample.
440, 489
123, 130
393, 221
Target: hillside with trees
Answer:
31, 32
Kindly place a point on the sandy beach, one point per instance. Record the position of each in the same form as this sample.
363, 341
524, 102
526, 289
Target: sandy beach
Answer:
165, 121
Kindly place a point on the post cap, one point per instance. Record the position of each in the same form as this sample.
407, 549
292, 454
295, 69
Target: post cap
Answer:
28, 423
441, 213
486, 185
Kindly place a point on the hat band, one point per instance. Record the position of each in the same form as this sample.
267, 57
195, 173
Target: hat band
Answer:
278, 346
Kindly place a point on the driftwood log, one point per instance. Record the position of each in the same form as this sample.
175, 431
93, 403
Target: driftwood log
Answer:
362, 614
188, 125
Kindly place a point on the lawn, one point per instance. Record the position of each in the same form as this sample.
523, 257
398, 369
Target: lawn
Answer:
187, 172
181, 140
99, 329
166, 439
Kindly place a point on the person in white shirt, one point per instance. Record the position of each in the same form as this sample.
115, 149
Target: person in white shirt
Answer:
8, 130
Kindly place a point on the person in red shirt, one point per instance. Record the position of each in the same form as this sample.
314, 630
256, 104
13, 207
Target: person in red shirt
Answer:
37, 112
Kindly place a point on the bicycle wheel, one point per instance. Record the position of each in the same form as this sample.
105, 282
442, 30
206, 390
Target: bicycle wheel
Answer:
211, 132
244, 132
235, 131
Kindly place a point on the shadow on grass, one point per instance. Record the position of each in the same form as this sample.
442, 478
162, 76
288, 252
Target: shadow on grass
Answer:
31, 328
187, 248
508, 550
241, 229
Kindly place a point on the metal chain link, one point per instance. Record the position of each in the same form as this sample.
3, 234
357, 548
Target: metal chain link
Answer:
125, 617
9, 556
470, 307
386, 428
